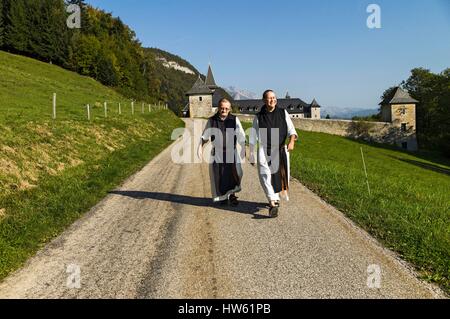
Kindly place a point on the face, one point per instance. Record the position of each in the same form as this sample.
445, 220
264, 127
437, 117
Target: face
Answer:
224, 109
271, 100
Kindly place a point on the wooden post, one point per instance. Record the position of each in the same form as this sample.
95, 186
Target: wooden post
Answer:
149, 108
106, 110
120, 109
89, 112
365, 171
143, 108
54, 106
132, 107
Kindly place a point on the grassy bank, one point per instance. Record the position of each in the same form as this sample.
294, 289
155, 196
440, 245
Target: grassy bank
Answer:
409, 206
53, 171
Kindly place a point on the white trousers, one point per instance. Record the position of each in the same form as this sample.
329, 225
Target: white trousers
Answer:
265, 175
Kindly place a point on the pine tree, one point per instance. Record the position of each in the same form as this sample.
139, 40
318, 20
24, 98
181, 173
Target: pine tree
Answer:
1, 24
16, 27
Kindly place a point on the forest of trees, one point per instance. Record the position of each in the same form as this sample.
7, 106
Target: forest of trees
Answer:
104, 48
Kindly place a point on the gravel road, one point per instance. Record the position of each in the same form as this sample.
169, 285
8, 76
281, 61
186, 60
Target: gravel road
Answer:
159, 236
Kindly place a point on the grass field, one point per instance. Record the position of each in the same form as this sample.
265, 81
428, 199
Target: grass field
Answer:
409, 206
53, 171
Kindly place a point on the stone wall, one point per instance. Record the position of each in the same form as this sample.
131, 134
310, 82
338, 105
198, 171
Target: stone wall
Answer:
379, 132
200, 109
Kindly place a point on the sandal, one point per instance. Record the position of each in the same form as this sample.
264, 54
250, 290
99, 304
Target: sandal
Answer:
273, 210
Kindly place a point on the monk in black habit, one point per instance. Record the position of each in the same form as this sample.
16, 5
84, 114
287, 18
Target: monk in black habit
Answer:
225, 132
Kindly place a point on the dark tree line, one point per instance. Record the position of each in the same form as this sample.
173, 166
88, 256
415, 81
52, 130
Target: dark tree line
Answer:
103, 48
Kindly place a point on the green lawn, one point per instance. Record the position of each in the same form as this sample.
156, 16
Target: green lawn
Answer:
409, 206
53, 171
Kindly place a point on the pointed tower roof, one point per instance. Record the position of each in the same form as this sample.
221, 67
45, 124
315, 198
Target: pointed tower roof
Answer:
399, 96
314, 103
287, 95
210, 82
199, 87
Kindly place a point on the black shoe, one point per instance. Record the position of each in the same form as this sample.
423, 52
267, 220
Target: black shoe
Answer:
233, 200
273, 211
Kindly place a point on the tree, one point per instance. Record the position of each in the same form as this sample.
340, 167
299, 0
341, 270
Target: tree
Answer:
433, 111
1, 23
106, 72
16, 26
389, 93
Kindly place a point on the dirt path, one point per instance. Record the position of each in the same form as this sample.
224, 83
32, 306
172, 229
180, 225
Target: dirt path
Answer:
158, 236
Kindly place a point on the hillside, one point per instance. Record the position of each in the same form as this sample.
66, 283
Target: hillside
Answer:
53, 171
168, 83
105, 49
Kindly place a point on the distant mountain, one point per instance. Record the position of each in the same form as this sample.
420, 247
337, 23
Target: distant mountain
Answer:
346, 113
240, 94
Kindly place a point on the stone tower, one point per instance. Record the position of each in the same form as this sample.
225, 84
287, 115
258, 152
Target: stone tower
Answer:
400, 109
315, 110
200, 100
201, 96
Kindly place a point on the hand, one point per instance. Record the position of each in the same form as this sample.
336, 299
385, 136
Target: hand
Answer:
291, 146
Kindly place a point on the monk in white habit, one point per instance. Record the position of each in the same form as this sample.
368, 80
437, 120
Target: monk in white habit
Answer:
272, 127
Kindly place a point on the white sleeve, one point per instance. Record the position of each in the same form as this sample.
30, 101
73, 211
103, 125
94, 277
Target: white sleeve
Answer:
240, 133
253, 140
207, 131
290, 126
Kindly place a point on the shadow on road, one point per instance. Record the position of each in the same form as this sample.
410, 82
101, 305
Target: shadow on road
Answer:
245, 207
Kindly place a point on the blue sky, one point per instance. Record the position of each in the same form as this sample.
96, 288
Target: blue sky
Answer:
319, 49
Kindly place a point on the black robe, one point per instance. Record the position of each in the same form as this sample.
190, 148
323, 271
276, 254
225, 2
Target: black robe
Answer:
270, 120
225, 175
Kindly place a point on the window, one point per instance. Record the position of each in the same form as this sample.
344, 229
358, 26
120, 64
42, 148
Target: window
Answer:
200, 98
403, 127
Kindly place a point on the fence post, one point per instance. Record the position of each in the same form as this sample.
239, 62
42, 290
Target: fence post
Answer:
120, 109
88, 112
54, 106
365, 171
106, 110
132, 107
143, 108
